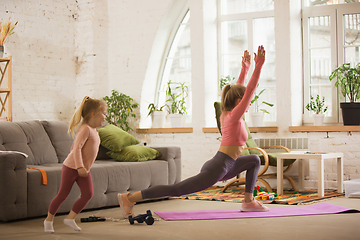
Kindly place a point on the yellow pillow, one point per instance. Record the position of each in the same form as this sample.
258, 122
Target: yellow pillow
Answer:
115, 139
134, 153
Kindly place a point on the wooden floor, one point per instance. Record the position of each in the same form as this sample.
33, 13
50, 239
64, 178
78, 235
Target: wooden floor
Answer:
335, 226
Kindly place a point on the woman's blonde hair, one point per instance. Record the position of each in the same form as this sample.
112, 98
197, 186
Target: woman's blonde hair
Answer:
87, 106
229, 95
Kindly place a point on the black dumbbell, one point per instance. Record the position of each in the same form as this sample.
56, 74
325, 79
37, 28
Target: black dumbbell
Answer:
148, 218
93, 219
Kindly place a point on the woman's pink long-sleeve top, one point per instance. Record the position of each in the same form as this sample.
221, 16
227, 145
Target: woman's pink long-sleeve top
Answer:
233, 126
84, 149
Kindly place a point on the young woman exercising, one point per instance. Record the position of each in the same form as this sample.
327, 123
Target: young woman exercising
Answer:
227, 162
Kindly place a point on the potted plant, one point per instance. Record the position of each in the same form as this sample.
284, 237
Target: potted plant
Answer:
348, 81
225, 81
318, 108
258, 114
120, 108
6, 30
177, 93
157, 115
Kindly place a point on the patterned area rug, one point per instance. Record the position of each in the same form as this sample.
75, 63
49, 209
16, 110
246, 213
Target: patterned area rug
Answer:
236, 194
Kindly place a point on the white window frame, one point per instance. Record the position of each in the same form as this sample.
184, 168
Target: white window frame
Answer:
249, 17
336, 13
159, 84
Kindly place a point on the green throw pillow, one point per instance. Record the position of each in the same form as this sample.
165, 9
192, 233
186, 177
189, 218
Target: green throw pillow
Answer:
134, 153
114, 138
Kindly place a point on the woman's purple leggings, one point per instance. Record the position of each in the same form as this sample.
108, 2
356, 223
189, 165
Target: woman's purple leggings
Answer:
220, 167
68, 177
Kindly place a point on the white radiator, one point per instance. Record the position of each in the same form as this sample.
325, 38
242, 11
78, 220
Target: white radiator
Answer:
291, 143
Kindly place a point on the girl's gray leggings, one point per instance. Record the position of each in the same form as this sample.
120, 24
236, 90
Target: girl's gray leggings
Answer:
220, 167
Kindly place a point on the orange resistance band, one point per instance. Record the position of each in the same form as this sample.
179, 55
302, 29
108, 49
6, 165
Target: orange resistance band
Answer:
43, 175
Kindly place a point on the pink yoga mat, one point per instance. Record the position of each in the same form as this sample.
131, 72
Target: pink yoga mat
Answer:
316, 209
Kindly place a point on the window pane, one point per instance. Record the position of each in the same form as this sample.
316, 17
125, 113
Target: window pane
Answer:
234, 34
320, 70
231, 65
319, 28
178, 64
234, 42
352, 55
352, 38
243, 6
264, 35
323, 91
352, 29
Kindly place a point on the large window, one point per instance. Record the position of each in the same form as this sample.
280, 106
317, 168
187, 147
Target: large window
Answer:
177, 64
244, 25
331, 38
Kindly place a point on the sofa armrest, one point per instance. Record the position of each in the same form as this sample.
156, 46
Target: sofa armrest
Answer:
13, 185
173, 156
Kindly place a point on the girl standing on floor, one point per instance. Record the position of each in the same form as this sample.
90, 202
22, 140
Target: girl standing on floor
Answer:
227, 163
76, 167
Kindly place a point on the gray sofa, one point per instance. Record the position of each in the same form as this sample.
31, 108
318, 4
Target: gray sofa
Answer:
46, 144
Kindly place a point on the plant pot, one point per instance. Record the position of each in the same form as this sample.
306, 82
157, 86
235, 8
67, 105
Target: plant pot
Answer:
257, 119
318, 119
158, 119
351, 113
176, 120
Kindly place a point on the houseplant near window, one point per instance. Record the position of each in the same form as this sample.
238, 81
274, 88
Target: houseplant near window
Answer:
120, 108
225, 81
177, 93
258, 114
348, 83
318, 108
157, 115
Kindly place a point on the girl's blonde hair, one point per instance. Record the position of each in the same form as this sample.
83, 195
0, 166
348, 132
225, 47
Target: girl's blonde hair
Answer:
87, 106
229, 95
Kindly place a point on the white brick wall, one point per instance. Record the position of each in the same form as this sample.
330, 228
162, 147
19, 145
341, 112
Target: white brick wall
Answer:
43, 57
65, 49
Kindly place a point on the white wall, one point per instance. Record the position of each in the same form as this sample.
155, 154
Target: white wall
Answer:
43, 57
63, 50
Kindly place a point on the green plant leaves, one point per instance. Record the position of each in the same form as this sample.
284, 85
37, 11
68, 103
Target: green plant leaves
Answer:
177, 93
317, 106
348, 79
120, 108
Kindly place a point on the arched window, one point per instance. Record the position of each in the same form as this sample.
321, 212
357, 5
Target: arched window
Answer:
177, 63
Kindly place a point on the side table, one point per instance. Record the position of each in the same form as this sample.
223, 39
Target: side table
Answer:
320, 157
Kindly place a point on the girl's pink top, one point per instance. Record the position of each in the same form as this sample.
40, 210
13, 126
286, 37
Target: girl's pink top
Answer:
84, 149
233, 126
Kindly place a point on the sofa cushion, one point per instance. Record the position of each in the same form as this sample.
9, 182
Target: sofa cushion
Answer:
29, 138
102, 154
13, 138
39, 147
115, 139
39, 195
60, 139
135, 153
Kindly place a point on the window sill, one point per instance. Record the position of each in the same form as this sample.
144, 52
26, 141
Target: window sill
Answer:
324, 128
252, 129
164, 130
